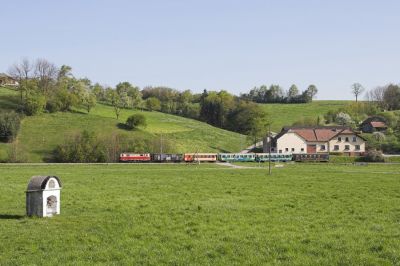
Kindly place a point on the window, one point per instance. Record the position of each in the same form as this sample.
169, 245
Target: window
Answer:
302, 149
346, 147
286, 149
292, 149
339, 138
347, 139
357, 147
280, 151
322, 147
336, 147
354, 139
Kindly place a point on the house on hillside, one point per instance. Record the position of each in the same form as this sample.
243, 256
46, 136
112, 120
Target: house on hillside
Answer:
6, 80
317, 140
373, 124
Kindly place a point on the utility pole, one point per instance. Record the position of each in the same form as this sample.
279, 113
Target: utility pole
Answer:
161, 149
269, 149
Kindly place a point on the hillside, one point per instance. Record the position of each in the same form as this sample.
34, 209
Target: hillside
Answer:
287, 114
39, 135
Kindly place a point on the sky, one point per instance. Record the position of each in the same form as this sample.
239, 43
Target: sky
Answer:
210, 44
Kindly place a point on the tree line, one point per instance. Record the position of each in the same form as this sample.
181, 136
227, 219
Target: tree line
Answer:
276, 94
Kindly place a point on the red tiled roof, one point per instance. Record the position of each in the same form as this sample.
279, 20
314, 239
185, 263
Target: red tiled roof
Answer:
321, 134
307, 134
317, 134
326, 134
378, 124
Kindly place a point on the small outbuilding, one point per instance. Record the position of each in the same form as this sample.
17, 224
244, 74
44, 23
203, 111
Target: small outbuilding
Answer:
43, 196
373, 124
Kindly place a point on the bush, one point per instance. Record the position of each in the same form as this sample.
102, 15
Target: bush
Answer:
81, 148
374, 156
136, 120
9, 126
34, 104
16, 154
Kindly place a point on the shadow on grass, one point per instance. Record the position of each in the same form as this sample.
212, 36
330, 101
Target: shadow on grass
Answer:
10, 217
124, 127
78, 112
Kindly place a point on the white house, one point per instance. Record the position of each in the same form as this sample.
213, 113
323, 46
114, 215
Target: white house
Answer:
317, 140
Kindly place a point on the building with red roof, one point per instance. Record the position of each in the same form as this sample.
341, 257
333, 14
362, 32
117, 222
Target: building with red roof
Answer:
317, 140
373, 124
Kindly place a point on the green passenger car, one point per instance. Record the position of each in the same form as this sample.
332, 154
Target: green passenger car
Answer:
275, 157
236, 157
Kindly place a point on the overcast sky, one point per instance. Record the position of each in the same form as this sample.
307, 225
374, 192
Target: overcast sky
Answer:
211, 44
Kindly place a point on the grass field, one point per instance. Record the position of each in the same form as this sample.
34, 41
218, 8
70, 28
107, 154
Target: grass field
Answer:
188, 214
40, 134
287, 114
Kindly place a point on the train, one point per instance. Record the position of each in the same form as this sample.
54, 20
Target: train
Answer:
222, 157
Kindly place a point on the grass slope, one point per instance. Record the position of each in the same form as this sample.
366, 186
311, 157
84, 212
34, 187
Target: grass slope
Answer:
287, 114
40, 134
206, 215
8, 99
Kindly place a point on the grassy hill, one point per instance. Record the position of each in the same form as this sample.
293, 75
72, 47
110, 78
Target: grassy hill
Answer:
287, 114
39, 135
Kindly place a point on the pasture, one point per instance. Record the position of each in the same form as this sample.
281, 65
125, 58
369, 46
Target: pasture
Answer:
286, 114
178, 214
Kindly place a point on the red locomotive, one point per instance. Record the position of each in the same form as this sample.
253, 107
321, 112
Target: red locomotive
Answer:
134, 157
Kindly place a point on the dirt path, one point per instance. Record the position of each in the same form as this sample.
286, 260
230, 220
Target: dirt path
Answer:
236, 166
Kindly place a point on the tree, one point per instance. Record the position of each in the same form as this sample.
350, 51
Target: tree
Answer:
65, 72
153, 104
99, 92
115, 102
135, 97
357, 89
90, 101
22, 72
258, 127
344, 119
312, 91
391, 97
293, 91
135, 121
46, 73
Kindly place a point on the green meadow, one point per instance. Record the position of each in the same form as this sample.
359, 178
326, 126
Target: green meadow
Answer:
303, 214
286, 114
